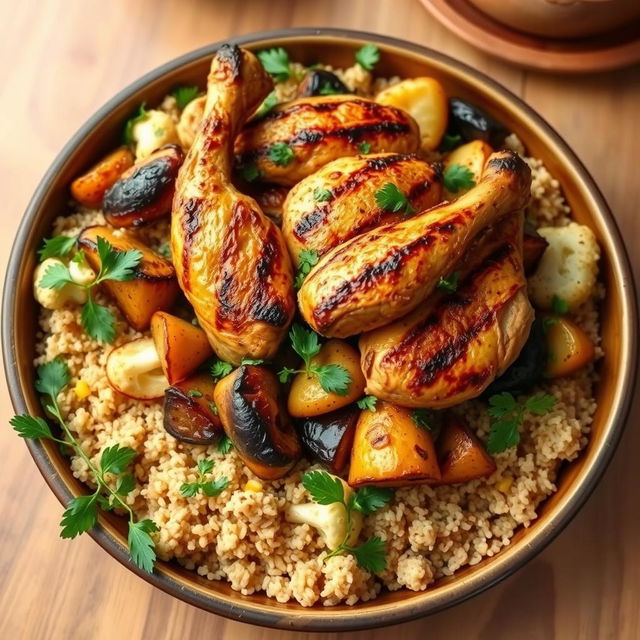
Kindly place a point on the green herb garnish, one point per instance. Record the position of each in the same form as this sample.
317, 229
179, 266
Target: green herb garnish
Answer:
368, 56
254, 361
450, 283
267, 104
220, 369
333, 378
322, 195
56, 247
457, 177
249, 172
185, 95
139, 116
194, 393
308, 258
364, 147
450, 141
208, 487
225, 445
422, 418
276, 62
509, 415
559, 305
368, 403
390, 198
281, 154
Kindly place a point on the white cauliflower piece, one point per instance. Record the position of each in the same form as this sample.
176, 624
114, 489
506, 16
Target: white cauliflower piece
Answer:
56, 298
156, 130
568, 268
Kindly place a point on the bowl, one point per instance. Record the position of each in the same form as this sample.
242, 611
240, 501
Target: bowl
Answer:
336, 47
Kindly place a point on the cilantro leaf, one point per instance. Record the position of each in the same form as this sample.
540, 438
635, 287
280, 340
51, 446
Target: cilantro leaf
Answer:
125, 485
304, 342
205, 466
225, 445
450, 283
308, 258
249, 172
209, 488
276, 62
52, 377
267, 104
220, 369
504, 434
368, 403
333, 378
559, 305
281, 154
184, 95
368, 56
216, 487
390, 198
114, 264
457, 177
252, 361
115, 459
56, 276
56, 247
323, 487
139, 116
189, 489
284, 375
364, 147
369, 499
80, 515
98, 321
27, 426
540, 404
501, 404
141, 545
371, 555
322, 195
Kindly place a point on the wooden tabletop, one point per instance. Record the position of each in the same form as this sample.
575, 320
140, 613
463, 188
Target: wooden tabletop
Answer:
59, 61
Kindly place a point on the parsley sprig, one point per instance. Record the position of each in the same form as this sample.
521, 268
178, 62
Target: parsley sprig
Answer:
308, 259
81, 513
364, 147
276, 62
390, 198
333, 378
508, 414
368, 56
368, 403
202, 485
225, 445
281, 154
220, 369
97, 320
139, 116
457, 177
185, 95
450, 282
56, 247
327, 489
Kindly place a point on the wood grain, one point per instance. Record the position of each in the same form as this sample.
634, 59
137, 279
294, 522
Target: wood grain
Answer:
60, 60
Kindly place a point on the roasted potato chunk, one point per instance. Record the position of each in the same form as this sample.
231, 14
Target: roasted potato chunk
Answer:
153, 287
569, 347
182, 347
391, 450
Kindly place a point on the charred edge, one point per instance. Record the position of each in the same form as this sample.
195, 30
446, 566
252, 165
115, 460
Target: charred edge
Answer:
230, 58
190, 226
508, 161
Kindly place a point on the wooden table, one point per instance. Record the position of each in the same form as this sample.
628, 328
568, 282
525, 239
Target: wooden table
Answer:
59, 61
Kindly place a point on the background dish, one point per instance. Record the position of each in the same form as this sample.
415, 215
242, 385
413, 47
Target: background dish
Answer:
404, 59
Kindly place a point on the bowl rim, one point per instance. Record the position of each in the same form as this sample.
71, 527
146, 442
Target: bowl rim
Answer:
329, 619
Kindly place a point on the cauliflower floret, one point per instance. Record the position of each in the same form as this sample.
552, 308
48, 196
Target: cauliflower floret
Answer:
568, 268
156, 130
51, 298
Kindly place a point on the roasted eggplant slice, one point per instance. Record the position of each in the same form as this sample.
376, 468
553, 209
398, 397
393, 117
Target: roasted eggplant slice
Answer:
533, 246
472, 123
329, 438
254, 416
190, 414
391, 450
321, 83
461, 456
145, 191
153, 286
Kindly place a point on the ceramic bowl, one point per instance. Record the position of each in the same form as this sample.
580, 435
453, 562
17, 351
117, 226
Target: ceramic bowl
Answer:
336, 47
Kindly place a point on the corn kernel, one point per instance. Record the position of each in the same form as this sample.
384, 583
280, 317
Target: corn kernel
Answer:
253, 485
82, 389
504, 484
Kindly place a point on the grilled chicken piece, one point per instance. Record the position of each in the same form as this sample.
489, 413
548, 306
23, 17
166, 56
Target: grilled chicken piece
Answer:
381, 275
231, 260
319, 129
338, 201
452, 347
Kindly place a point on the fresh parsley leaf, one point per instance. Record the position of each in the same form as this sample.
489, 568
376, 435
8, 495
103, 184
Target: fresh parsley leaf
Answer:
115, 459
450, 141
540, 404
371, 555
114, 264
194, 393
225, 445
450, 283
308, 258
139, 116
368, 403
80, 515
205, 466
189, 489
368, 56
281, 154
504, 434
56, 247
27, 426
213, 408
304, 342
390, 198
209, 488
284, 375
252, 361
56, 276
141, 545
184, 95
369, 499
502, 404
249, 172
333, 378
322, 195
98, 321
364, 147
216, 487
323, 487
125, 484
559, 305
267, 104
52, 377
457, 177
276, 62
220, 369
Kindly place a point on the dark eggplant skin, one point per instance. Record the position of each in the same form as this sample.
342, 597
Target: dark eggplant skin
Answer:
529, 367
472, 123
319, 82
144, 192
533, 246
328, 438
254, 416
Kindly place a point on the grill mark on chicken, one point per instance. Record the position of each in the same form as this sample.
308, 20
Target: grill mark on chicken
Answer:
230, 58
191, 225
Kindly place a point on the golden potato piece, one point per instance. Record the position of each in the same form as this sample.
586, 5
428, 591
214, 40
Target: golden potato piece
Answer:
570, 348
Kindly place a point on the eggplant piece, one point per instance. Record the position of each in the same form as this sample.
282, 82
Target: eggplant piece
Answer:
328, 438
528, 368
190, 413
254, 416
533, 247
144, 192
472, 123
321, 83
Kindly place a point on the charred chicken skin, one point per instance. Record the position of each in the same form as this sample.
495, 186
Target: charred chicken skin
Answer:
320, 129
380, 276
453, 346
231, 260
338, 202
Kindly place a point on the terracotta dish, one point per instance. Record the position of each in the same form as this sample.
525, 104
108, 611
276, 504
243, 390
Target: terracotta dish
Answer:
336, 47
